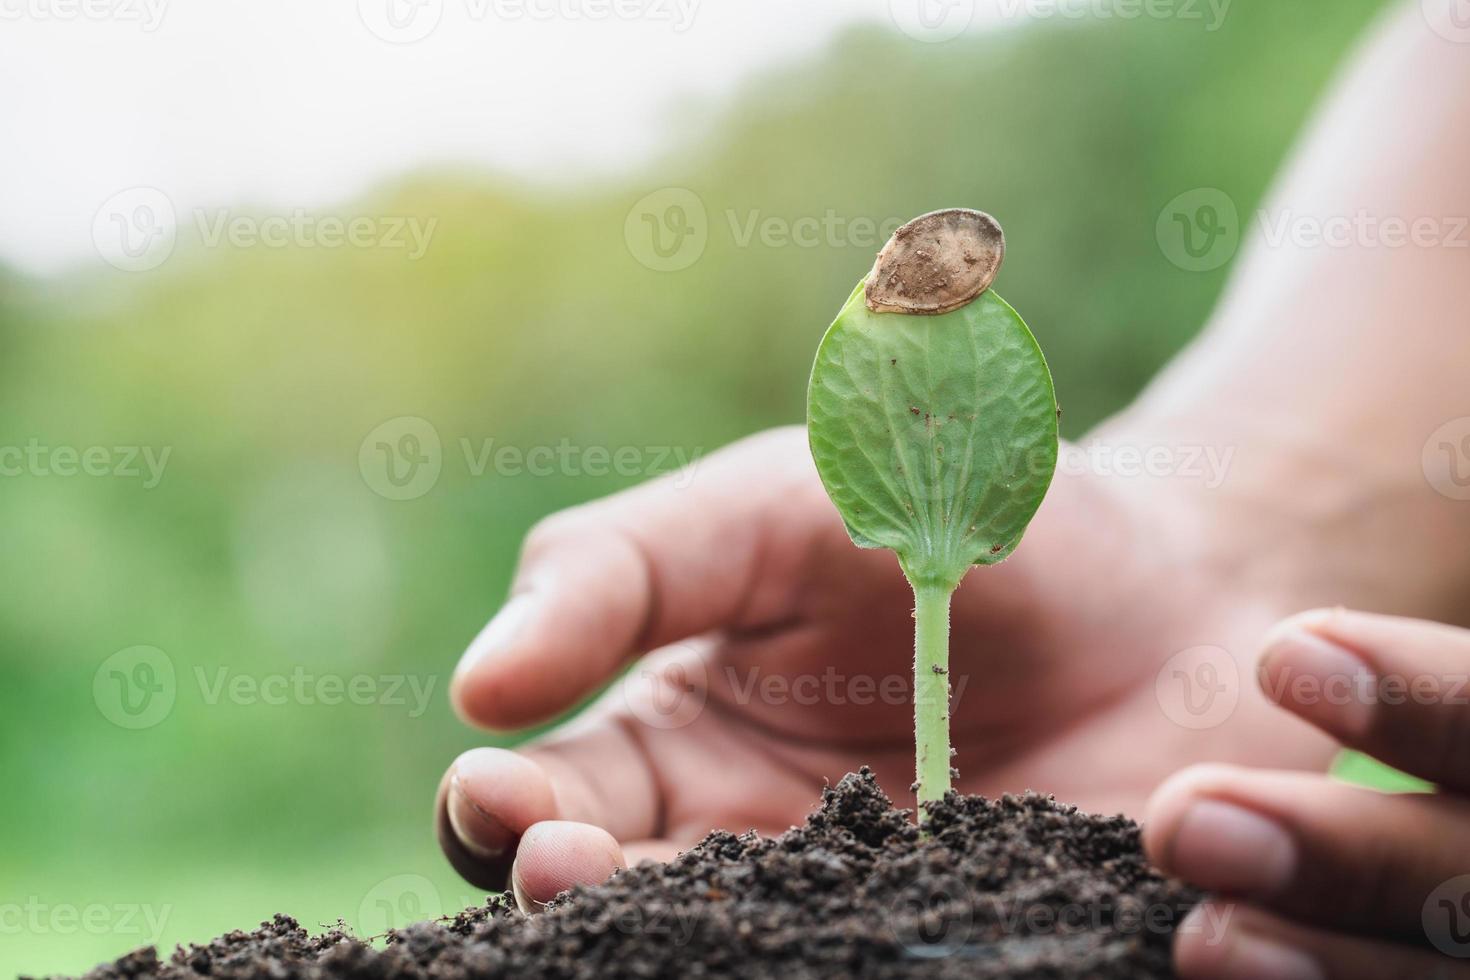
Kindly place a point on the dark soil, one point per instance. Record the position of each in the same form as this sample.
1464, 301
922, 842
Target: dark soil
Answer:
1020, 887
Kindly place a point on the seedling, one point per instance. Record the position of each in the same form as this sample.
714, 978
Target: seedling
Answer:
933, 423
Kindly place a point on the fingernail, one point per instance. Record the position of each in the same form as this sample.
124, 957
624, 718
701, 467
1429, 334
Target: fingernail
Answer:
477, 830
1324, 682
1258, 958
527, 904
500, 633
1226, 848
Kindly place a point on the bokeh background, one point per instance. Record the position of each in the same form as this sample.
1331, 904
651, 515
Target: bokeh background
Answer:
542, 313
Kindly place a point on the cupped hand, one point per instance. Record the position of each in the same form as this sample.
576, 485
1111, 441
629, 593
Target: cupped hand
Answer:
1334, 880
781, 659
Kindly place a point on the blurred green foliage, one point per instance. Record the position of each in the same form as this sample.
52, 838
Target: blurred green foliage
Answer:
528, 322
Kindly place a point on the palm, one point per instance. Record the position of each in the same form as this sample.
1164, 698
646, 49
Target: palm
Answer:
783, 659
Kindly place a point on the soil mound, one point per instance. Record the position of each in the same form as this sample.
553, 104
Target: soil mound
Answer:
1020, 887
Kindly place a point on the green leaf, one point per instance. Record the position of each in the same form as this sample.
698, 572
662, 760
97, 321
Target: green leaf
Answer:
1364, 770
935, 436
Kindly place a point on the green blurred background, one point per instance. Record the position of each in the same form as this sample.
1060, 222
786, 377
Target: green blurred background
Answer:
529, 321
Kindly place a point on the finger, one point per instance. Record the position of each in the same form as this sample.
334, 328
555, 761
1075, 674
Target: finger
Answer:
1314, 849
658, 563
600, 774
1399, 689
595, 771
657, 851
1217, 941
487, 799
557, 855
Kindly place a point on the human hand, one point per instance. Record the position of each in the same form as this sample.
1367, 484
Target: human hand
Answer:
1335, 880
784, 660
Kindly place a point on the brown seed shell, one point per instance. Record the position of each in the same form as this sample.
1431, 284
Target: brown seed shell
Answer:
936, 263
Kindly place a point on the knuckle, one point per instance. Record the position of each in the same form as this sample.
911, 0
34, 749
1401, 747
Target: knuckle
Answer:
550, 531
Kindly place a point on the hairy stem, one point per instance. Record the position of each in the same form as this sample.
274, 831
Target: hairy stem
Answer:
931, 691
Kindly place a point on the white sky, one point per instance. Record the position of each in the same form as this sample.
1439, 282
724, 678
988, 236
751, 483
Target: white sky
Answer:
299, 103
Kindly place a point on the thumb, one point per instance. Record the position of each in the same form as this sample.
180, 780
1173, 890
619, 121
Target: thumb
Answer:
661, 562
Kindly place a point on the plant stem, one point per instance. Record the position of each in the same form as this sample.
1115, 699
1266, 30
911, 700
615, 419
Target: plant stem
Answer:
931, 692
